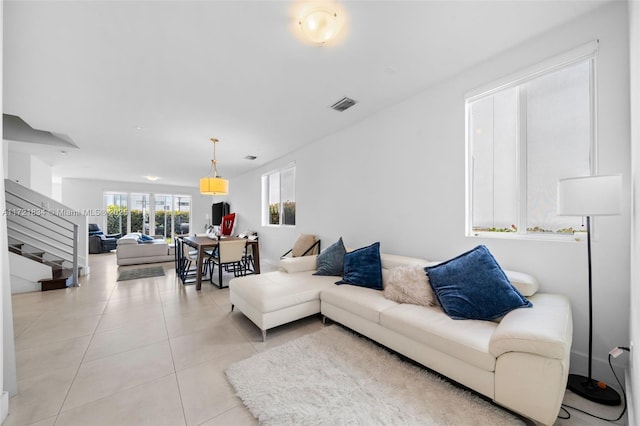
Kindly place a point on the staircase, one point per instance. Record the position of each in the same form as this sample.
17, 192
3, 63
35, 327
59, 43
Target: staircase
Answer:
43, 241
61, 276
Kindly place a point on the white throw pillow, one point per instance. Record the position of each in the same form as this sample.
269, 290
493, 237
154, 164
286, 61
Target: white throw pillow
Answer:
302, 244
409, 284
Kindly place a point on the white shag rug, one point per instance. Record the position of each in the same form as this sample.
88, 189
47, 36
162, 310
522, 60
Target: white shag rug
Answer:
334, 377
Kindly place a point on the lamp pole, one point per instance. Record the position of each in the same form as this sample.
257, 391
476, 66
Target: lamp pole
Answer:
587, 387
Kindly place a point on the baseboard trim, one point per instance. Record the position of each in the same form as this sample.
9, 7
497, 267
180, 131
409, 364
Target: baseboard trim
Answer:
631, 416
4, 406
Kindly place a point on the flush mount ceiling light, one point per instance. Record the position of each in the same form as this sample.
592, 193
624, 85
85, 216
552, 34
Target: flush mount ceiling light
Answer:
152, 178
214, 185
319, 24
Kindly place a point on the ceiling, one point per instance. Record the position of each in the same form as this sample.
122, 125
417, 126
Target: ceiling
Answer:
141, 86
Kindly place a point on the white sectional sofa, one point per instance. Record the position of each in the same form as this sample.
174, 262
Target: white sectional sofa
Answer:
131, 250
520, 361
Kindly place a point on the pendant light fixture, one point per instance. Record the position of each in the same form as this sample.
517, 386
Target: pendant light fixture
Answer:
214, 185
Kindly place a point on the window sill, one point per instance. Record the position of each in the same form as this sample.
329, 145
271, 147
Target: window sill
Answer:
581, 237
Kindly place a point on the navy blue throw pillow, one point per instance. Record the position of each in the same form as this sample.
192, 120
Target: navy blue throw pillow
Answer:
145, 237
363, 267
331, 260
473, 286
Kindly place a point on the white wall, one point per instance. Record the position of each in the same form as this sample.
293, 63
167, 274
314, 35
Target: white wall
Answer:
41, 177
8, 380
398, 177
88, 194
30, 171
19, 167
634, 49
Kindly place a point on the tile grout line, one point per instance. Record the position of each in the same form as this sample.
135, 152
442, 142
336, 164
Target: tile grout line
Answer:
75, 376
173, 362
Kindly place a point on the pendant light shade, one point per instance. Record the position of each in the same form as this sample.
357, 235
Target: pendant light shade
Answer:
214, 185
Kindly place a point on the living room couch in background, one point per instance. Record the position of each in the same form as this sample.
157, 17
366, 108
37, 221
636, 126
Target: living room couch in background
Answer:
136, 249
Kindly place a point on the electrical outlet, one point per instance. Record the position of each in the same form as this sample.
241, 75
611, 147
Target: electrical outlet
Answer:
616, 352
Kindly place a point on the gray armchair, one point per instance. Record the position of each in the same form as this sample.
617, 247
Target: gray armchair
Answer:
99, 242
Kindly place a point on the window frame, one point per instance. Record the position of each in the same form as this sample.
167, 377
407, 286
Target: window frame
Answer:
264, 205
151, 201
584, 53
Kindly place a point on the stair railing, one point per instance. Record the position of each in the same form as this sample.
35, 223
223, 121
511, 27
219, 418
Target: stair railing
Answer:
43, 228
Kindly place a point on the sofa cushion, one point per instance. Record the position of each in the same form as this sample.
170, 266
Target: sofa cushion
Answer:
155, 248
390, 261
546, 329
364, 302
298, 264
473, 286
331, 259
465, 340
277, 290
362, 267
409, 284
525, 283
128, 239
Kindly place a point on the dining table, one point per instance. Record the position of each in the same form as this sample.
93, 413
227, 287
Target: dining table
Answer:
203, 243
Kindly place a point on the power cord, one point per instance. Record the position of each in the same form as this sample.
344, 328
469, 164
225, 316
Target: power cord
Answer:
624, 394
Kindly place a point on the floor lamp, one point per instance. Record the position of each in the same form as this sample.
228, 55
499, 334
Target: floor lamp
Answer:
590, 196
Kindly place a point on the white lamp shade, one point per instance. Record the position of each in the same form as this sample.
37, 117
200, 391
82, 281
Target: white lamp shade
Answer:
590, 196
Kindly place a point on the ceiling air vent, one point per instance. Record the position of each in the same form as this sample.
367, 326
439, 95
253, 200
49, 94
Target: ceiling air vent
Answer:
342, 104
250, 157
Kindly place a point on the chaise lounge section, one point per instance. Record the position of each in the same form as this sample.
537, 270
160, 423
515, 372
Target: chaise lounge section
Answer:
520, 361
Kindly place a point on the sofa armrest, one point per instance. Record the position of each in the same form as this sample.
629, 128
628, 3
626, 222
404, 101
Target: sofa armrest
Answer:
545, 329
299, 264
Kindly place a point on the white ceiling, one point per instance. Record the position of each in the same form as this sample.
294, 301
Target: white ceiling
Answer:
141, 86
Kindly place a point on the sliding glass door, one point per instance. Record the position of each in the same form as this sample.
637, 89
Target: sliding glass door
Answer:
182, 214
165, 215
117, 213
140, 213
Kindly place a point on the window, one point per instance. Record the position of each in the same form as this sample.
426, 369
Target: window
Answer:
181, 213
521, 138
278, 197
139, 212
153, 214
117, 215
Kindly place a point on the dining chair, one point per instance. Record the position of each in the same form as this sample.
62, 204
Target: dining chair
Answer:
305, 245
248, 259
189, 264
230, 255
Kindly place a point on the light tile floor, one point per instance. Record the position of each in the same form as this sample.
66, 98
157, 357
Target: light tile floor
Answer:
142, 352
